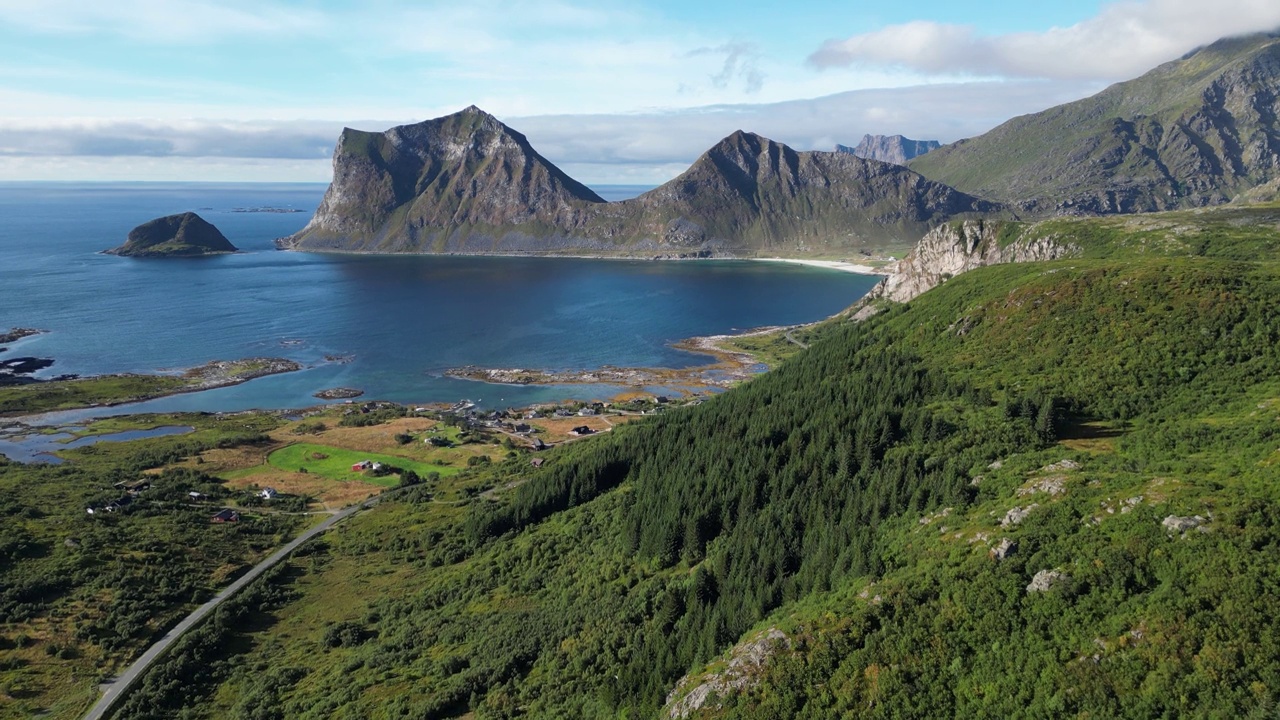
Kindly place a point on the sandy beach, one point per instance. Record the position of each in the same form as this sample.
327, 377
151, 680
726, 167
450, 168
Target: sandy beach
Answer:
830, 265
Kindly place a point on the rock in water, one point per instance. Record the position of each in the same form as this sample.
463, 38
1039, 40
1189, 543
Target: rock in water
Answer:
183, 235
891, 149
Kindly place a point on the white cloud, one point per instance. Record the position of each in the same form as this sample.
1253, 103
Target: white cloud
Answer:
1123, 40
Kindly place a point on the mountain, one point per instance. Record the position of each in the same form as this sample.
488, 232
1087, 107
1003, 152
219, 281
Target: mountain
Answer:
182, 235
750, 194
466, 183
427, 187
891, 149
1193, 132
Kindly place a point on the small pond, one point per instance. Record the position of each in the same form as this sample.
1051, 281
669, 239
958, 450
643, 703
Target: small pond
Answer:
22, 444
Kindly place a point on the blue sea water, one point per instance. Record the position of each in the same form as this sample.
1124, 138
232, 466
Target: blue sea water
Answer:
402, 320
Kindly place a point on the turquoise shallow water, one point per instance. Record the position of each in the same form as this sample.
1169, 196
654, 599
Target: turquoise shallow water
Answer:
401, 320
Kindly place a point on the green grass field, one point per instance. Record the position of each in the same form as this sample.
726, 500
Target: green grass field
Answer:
337, 463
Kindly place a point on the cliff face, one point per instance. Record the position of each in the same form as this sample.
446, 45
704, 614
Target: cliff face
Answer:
891, 149
466, 183
956, 248
1194, 132
182, 235
431, 186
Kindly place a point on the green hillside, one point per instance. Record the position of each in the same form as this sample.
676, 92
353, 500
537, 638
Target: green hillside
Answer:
1193, 132
841, 520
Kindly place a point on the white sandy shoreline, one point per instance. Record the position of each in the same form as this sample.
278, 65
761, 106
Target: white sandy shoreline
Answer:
830, 265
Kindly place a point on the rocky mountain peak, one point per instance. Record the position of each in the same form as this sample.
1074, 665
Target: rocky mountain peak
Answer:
894, 149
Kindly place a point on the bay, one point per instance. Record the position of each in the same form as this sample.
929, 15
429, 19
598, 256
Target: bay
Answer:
402, 320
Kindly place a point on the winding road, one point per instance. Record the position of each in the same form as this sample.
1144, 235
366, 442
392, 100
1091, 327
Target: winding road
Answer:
117, 688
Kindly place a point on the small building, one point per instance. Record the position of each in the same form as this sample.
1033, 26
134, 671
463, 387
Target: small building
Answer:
133, 487
582, 430
376, 466
362, 466
195, 496
538, 444
120, 504
227, 515
523, 428
537, 462
586, 411
267, 493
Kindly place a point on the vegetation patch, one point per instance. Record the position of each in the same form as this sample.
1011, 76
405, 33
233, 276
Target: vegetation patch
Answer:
339, 464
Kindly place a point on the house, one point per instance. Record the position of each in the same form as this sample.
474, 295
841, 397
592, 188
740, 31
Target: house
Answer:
120, 504
268, 493
227, 515
582, 430
537, 462
133, 487
538, 444
563, 413
523, 428
362, 466
195, 496
586, 411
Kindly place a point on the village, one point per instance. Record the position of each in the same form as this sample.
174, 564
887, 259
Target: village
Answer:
323, 459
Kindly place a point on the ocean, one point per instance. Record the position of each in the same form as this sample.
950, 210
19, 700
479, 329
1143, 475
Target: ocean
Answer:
399, 320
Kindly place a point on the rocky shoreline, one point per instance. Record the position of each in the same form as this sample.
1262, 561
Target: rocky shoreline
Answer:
223, 373
729, 368
16, 334
70, 393
340, 393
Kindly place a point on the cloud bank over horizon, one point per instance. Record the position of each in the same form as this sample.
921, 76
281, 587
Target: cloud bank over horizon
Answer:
613, 92
641, 148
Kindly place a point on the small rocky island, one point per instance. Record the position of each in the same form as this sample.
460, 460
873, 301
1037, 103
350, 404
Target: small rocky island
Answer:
182, 235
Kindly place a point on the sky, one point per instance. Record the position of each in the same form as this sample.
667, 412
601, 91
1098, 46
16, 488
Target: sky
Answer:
613, 92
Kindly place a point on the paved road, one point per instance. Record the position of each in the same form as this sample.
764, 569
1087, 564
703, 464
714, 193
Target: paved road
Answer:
797, 342
114, 690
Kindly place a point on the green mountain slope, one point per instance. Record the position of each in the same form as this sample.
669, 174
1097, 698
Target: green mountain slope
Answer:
1193, 132
842, 521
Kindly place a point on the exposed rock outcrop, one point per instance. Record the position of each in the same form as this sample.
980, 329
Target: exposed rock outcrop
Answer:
1016, 515
1045, 580
182, 235
466, 183
959, 247
1003, 549
746, 662
1176, 524
890, 148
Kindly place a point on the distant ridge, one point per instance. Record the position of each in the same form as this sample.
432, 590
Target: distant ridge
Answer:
890, 148
1193, 132
467, 183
